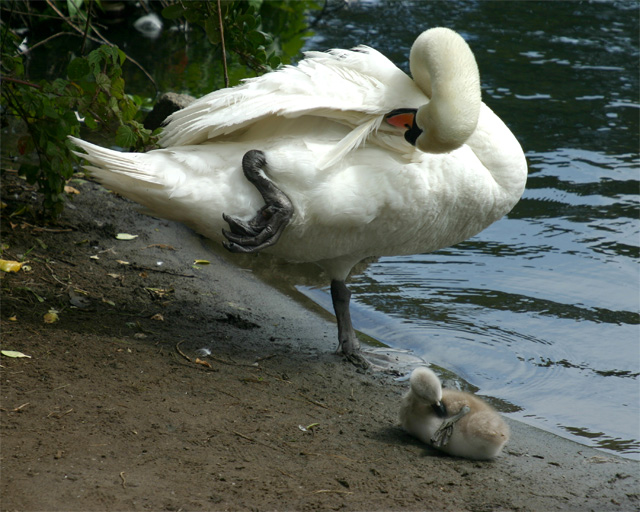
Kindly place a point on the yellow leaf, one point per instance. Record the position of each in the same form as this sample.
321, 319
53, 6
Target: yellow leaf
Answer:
13, 318
51, 317
203, 363
125, 236
10, 266
71, 190
14, 353
202, 262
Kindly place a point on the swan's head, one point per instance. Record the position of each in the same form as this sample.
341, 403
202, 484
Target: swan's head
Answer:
444, 67
426, 385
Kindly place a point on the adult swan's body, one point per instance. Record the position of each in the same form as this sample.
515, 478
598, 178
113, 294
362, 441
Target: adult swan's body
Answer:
344, 157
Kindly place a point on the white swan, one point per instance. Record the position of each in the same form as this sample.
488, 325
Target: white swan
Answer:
344, 157
455, 422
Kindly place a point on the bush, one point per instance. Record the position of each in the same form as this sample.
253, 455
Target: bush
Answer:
92, 94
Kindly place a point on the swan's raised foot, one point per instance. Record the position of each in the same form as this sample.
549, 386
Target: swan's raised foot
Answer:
266, 227
441, 436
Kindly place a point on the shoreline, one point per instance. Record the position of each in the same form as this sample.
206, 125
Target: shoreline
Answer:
271, 419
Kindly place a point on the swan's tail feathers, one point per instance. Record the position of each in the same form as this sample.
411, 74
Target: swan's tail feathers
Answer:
111, 167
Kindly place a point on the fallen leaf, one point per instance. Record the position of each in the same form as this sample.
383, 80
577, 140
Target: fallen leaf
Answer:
79, 301
203, 363
51, 317
14, 353
202, 262
123, 262
115, 276
159, 292
13, 318
70, 190
125, 236
10, 266
94, 257
158, 317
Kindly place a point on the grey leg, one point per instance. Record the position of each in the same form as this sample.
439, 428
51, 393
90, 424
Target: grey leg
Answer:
441, 436
265, 228
349, 343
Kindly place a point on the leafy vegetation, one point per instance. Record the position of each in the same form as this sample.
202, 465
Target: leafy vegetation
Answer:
89, 91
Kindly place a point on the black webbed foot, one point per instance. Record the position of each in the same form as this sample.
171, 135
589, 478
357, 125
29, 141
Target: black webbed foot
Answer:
441, 436
266, 227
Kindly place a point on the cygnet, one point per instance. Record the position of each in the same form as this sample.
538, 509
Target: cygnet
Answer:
452, 421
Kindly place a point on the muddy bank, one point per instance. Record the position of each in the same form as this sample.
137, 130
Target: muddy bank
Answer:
116, 409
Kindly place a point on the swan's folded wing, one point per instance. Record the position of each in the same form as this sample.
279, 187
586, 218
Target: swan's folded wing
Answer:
354, 87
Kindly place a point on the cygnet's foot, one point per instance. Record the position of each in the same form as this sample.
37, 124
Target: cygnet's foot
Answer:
266, 227
441, 436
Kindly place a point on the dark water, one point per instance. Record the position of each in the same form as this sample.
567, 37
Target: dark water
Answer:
540, 310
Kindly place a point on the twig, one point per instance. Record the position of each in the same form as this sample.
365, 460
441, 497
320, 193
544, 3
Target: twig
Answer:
264, 358
181, 352
18, 81
124, 482
277, 448
59, 415
102, 40
138, 267
245, 437
314, 402
86, 27
224, 51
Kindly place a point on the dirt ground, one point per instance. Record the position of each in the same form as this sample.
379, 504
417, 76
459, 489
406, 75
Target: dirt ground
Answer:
116, 410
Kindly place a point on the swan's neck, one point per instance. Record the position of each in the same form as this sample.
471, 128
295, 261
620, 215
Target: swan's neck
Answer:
444, 67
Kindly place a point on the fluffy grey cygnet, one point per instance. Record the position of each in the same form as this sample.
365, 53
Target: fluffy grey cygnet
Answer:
452, 421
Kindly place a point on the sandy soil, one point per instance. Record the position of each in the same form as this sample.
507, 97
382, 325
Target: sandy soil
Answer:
115, 410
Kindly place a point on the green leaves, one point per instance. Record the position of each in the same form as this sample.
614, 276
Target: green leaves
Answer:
78, 68
94, 91
258, 36
251, 47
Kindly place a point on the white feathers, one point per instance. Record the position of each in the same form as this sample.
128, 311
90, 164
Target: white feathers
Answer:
358, 189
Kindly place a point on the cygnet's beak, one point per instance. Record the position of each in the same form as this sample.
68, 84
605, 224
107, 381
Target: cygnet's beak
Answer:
440, 409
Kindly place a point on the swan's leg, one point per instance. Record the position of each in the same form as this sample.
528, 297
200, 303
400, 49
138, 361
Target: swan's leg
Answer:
441, 436
349, 343
269, 222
